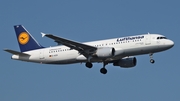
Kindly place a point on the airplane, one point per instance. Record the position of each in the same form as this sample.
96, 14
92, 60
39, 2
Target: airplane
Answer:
118, 51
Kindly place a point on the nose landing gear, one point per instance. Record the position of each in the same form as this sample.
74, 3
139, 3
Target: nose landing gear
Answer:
152, 61
151, 58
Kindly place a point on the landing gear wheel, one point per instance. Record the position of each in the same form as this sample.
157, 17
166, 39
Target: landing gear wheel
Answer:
152, 61
89, 64
103, 70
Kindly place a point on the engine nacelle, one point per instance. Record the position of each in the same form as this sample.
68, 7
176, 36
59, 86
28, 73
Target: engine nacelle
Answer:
126, 62
105, 52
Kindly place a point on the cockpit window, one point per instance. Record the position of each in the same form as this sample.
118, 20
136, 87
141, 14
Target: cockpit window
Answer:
161, 38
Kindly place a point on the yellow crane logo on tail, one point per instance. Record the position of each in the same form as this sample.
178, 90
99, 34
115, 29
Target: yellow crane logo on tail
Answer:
23, 38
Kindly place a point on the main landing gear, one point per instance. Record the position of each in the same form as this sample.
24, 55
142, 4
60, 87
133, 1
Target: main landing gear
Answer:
151, 58
89, 64
103, 70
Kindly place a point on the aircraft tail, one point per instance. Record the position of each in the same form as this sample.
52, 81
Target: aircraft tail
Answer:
25, 39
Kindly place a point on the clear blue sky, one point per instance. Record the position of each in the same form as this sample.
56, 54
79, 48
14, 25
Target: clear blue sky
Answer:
88, 20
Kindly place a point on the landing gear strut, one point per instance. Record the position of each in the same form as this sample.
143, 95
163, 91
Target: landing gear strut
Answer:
103, 70
151, 58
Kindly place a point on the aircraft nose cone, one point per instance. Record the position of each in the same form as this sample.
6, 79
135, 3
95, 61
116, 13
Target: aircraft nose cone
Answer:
170, 43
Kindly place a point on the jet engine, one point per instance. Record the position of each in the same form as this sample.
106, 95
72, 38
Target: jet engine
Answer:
126, 62
105, 52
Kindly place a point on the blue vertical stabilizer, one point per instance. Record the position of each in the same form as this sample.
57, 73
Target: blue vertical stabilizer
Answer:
25, 39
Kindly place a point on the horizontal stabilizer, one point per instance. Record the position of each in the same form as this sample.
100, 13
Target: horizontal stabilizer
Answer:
16, 52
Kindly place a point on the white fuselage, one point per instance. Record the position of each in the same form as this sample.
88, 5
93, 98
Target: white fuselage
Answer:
129, 46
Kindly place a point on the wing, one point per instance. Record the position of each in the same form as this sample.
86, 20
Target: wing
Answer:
84, 49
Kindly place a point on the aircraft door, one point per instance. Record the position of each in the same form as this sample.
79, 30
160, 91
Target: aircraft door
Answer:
148, 39
41, 55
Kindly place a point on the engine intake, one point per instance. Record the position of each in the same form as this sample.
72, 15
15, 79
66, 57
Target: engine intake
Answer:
105, 52
126, 62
